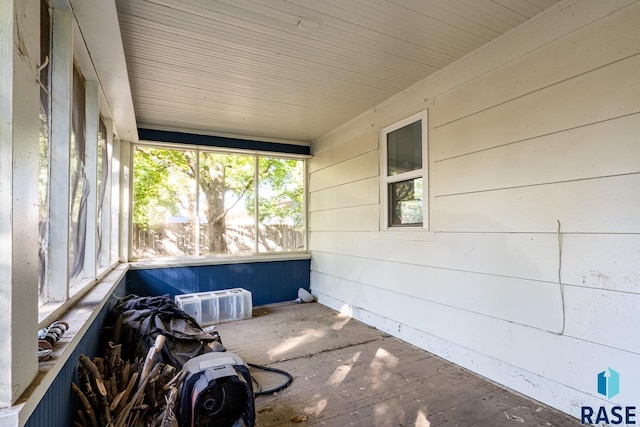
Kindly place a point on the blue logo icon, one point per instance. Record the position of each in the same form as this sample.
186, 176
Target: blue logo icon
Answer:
609, 383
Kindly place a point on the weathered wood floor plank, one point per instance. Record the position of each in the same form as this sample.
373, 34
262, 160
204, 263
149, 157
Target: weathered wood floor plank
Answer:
348, 374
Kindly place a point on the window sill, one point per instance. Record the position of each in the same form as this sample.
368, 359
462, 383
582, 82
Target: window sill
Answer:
216, 260
52, 311
79, 316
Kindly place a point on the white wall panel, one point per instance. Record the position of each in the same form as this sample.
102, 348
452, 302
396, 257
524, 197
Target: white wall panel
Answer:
538, 127
328, 155
569, 155
364, 192
515, 300
559, 370
602, 261
610, 39
564, 359
525, 256
603, 205
358, 218
603, 94
361, 167
615, 311
548, 27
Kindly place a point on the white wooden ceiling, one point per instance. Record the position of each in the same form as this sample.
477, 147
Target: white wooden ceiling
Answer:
293, 69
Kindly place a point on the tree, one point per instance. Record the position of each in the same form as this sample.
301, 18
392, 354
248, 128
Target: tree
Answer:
159, 177
222, 177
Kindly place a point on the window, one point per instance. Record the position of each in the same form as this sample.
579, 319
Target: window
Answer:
164, 200
43, 175
404, 173
75, 183
79, 184
204, 202
280, 205
102, 255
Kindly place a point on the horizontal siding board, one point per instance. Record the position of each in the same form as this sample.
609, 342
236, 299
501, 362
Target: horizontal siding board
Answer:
515, 300
343, 150
601, 149
355, 169
519, 255
618, 310
358, 218
567, 360
551, 25
607, 262
365, 192
610, 39
603, 205
599, 95
508, 353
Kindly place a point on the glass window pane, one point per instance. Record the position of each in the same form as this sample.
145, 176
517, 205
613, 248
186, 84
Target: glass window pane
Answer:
79, 183
404, 149
43, 175
405, 202
103, 173
281, 205
227, 224
164, 199
232, 218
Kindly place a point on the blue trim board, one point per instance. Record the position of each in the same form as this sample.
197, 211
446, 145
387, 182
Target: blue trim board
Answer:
220, 141
268, 282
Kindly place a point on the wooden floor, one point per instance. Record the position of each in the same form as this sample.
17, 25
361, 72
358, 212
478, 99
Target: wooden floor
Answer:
348, 374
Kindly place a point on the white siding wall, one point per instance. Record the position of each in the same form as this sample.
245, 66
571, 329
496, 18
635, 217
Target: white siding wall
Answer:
534, 148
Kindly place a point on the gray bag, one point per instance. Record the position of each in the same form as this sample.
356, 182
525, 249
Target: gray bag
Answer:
137, 321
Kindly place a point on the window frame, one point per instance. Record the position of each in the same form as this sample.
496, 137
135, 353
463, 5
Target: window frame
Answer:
423, 172
257, 154
67, 56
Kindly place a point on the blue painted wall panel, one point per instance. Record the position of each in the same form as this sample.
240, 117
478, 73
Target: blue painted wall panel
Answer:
268, 282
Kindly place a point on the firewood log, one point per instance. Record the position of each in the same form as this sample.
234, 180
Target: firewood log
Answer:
94, 373
86, 404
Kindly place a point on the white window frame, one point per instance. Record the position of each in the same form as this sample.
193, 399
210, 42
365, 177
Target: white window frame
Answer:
423, 172
61, 291
211, 258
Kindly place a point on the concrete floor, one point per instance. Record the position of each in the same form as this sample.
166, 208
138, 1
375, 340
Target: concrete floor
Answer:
348, 374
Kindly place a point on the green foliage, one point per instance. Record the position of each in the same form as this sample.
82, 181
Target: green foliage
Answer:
161, 183
281, 190
164, 182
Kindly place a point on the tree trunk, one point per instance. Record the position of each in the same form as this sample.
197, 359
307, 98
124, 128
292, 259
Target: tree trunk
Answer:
212, 184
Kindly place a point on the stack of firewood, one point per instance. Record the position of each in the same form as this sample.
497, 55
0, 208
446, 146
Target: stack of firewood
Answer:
115, 393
